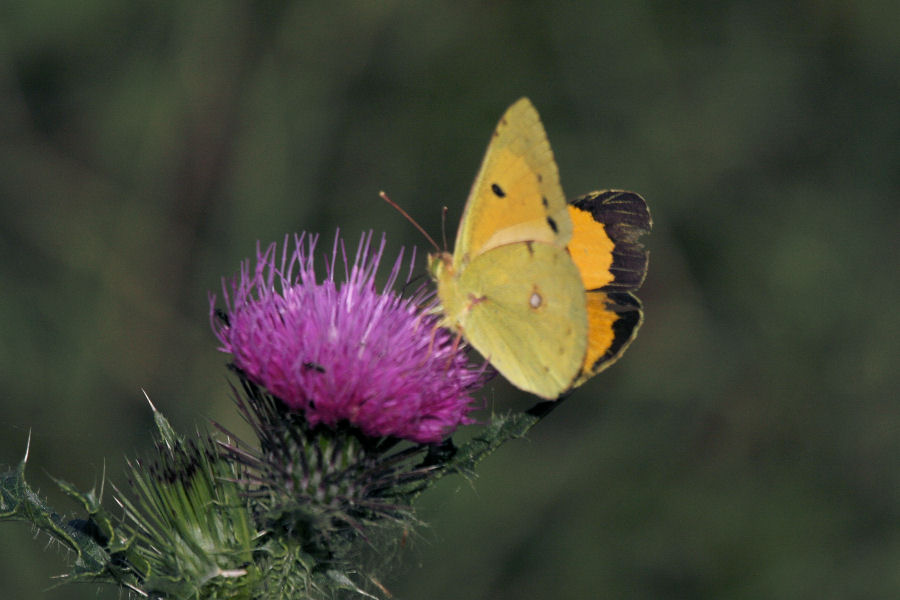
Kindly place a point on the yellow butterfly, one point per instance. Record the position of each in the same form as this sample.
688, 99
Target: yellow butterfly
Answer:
539, 287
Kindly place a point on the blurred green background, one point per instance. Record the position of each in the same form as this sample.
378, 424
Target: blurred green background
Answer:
747, 446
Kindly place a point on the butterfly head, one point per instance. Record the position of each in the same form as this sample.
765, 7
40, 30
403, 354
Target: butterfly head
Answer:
440, 265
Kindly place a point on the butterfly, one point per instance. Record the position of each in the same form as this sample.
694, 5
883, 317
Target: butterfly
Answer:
539, 286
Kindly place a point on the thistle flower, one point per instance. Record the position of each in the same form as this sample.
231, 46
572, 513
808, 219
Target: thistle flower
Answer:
334, 375
340, 351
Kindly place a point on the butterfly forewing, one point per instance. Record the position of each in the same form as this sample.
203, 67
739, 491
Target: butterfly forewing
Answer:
516, 196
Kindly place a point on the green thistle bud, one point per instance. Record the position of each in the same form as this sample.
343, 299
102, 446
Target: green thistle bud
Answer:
192, 533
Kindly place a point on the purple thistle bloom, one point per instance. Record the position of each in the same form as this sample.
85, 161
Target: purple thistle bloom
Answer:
341, 350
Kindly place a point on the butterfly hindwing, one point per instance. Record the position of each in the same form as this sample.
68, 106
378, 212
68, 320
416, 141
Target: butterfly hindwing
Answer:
527, 315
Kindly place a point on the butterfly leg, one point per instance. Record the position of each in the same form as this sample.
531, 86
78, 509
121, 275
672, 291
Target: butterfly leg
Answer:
456, 340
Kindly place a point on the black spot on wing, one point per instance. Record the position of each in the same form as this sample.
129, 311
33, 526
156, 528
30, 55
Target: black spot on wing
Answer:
544, 201
552, 224
498, 191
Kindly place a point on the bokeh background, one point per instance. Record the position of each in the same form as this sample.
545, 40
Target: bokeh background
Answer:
747, 445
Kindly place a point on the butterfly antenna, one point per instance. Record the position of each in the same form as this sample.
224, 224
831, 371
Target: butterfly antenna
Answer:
444, 227
396, 206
